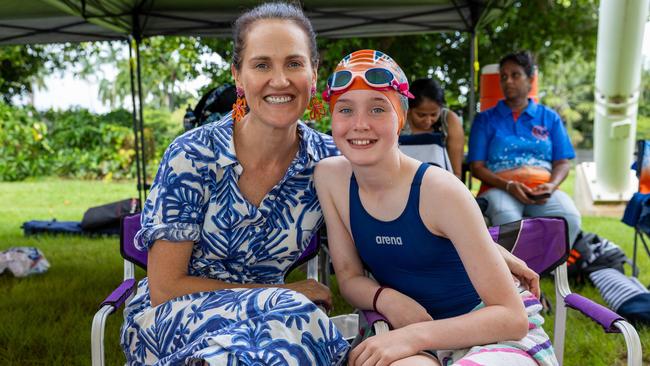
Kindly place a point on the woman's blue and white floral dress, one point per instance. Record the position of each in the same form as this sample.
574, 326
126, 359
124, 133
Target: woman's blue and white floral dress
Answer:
195, 197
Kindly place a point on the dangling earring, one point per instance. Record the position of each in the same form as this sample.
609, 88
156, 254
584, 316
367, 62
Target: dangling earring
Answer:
316, 109
239, 109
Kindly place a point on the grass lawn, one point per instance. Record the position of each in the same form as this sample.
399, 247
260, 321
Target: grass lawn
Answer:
45, 320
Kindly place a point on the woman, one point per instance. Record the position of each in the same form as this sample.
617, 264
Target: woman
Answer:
427, 113
438, 276
231, 209
520, 150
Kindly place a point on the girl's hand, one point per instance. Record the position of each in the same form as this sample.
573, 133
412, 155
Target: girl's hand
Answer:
527, 277
400, 310
383, 349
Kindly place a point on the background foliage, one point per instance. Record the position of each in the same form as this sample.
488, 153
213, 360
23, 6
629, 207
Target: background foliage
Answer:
560, 33
77, 143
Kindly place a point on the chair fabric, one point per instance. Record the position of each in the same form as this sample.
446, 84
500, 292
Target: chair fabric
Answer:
522, 238
600, 314
637, 211
129, 227
427, 148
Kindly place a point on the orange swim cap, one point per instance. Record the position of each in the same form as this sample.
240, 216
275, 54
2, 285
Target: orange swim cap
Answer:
370, 70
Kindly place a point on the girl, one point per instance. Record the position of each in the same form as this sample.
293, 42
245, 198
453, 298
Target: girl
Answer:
439, 278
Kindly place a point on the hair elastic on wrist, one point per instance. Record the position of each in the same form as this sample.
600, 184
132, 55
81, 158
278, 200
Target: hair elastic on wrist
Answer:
374, 300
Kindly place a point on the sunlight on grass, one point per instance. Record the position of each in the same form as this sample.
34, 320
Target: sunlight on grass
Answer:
45, 320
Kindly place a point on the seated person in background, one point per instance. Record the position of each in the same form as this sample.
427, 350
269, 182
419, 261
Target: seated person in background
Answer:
520, 151
427, 113
438, 277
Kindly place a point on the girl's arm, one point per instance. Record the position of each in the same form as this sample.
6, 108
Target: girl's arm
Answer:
455, 142
167, 266
357, 289
451, 211
503, 317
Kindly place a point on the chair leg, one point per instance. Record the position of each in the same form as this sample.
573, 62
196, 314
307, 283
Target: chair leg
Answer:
324, 267
559, 329
97, 335
632, 341
312, 268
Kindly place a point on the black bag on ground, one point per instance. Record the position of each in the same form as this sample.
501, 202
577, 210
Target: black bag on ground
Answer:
591, 253
108, 215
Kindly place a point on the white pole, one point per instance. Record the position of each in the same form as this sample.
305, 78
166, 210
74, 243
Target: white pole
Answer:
618, 80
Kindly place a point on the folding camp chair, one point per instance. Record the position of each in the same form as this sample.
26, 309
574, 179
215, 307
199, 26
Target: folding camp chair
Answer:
637, 211
427, 148
132, 256
542, 242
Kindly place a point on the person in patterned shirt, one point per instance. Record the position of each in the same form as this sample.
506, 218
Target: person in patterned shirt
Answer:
232, 207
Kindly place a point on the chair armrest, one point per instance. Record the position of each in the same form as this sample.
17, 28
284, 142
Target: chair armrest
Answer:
120, 294
598, 313
372, 317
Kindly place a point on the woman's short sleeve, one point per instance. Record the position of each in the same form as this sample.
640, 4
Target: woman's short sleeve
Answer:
562, 147
478, 139
175, 207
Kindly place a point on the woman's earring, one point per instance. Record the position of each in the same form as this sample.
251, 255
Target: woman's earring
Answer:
316, 109
239, 109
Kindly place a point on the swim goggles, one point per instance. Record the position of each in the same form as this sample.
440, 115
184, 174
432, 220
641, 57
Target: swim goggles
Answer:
377, 78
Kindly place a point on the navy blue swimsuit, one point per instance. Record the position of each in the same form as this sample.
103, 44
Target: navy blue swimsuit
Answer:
403, 254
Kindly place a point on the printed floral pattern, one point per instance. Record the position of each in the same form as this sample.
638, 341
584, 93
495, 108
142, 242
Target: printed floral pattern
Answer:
195, 197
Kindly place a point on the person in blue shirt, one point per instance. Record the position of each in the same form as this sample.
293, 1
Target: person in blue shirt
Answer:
520, 151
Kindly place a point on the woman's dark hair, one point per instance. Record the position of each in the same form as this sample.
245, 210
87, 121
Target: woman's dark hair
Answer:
273, 10
521, 58
426, 88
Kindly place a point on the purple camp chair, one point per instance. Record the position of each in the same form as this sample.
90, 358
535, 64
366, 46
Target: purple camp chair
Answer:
132, 257
542, 242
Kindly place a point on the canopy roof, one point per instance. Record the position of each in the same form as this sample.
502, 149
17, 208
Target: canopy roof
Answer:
53, 21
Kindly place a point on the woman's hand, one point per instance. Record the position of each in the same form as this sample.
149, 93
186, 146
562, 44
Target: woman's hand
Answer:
520, 191
383, 349
400, 310
544, 188
314, 290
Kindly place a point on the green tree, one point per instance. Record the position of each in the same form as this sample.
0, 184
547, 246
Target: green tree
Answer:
166, 63
556, 31
19, 67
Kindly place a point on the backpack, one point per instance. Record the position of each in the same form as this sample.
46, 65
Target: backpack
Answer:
591, 253
214, 104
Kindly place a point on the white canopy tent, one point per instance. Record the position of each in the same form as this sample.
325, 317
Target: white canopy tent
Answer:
57, 21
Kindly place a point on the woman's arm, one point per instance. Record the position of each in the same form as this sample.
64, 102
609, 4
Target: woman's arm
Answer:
168, 278
518, 190
455, 143
357, 289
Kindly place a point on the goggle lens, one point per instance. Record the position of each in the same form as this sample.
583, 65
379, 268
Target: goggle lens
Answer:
379, 77
340, 79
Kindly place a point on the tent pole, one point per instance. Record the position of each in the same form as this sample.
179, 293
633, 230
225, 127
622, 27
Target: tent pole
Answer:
137, 36
473, 68
135, 118
143, 159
